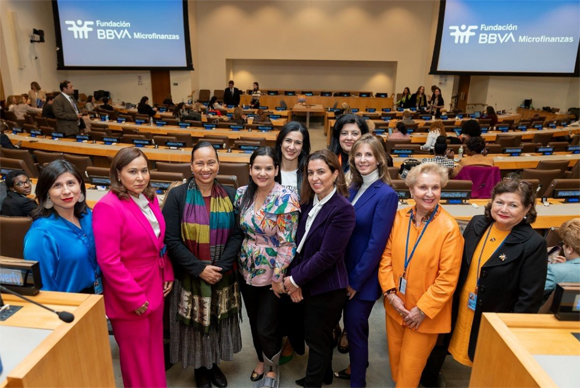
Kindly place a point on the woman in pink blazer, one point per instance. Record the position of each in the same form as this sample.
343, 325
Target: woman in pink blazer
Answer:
129, 230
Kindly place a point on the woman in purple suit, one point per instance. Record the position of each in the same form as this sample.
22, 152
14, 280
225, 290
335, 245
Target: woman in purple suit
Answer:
317, 279
375, 205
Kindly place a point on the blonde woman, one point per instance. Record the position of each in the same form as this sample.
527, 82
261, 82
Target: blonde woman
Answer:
437, 129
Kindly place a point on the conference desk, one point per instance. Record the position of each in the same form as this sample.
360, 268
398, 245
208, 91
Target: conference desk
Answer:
361, 103
161, 154
529, 114
505, 162
308, 110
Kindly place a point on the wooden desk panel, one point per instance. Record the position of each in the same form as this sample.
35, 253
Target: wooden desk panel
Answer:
354, 102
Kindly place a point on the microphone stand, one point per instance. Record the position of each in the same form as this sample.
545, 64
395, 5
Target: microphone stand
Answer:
64, 316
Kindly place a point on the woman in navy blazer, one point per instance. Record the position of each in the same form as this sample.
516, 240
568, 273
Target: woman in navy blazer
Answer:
317, 278
375, 205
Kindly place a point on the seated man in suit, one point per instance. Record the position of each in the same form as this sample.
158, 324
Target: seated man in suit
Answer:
476, 155
16, 203
106, 105
566, 269
47, 108
232, 95
68, 115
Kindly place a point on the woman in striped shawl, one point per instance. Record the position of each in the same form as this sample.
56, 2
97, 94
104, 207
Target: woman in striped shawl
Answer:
203, 240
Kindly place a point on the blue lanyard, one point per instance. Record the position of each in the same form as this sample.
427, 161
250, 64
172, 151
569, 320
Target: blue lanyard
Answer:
408, 258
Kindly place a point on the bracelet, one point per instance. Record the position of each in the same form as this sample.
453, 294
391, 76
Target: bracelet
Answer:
421, 311
391, 291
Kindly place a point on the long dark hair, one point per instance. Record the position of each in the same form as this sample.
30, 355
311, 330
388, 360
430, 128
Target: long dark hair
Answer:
211, 102
342, 120
121, 159
306, 192
143, 101
177, 110
47, 177
293, 126
248, 197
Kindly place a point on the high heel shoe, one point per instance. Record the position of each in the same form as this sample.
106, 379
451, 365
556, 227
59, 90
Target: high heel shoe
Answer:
255, 376
343, 343
341, 374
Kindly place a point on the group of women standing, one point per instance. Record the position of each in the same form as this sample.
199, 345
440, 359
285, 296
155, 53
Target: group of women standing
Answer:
301, 239
421, 102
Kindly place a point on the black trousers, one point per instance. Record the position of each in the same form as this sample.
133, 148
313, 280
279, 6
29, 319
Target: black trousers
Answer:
288, 327
263, 309
321, 312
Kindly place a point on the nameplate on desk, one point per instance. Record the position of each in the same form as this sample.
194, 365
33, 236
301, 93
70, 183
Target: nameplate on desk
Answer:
252, 115
564, 124
265, 128
459, 117
275, 117
402, 152
279, 108
159, 185
484, 129
539, 127
403, 194
100, 180
400, 109
503, 128
444, 117
426, 118
371, 110
354, 110
22, 276
272, 93
121, 120
229, 115
473, 116
386, 110
409, 131
570, 196
230, 106
104, 118
309, 94
16, 130
81, 138
110, 140
236, 127
206, 104
57, 135
412, 109
162, 109
575, 149
364, 95
34, 133
512, 151
289, 93
366, 117
160, 123
209, 126
175, 144
246, 107
379, 131
386, 118
545, 150
263, 107
326, 94
250, 148
455, 195
217, 146
381, 95
141, 142
184, 125
552, 125
522, 128
139, 122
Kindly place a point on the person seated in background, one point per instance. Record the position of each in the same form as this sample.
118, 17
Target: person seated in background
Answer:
490, 114
400, 132
10, 102
470, 129
239, 116
47, 108
214, 105
440, 150
21, 108
344, 109
476, 155
5, 140
168, 100
17, 203
197, 107
144, 108
407, 118
262, 117
566, 268
106, 105
181, 114
437, 129
90, 104
36, 95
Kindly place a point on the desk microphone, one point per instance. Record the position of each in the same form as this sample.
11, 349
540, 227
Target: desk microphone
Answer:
64, 316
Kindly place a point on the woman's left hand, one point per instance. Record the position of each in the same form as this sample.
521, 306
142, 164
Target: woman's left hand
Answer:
414, 319
278, 288
350, 292
167, 287
290, 288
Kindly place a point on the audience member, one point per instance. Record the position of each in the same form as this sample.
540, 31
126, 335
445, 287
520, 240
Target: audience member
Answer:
476, 155
180, 113
406, 99
400, 132
440, 150
256, 93
317, 279
61, 236
239, 116
66, 111
106, 105
36, 95
407, 118
47, 110
129, 235
215, 107
418, 293
419, 99
470, 129
262, 117
17, 203
490, 114
232, 95
90, 104
21, 108
168, 100
437, 129
268, 215
5, 141
203, 240
436, 103
144, 108
567, 267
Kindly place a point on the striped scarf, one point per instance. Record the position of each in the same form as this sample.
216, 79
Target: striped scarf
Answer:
202, 304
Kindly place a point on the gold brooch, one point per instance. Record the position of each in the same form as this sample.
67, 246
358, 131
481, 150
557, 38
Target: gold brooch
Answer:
492, 239
502, 257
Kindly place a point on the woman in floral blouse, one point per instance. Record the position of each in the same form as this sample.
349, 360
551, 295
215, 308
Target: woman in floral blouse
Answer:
268, 215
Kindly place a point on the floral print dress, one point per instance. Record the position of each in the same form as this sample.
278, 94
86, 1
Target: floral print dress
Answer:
269, 245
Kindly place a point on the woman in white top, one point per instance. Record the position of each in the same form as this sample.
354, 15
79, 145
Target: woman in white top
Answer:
36, 95
292, 148
437, 129
256, 93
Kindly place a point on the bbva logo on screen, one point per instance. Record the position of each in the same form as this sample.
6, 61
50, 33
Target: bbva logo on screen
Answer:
81, 30
463, 33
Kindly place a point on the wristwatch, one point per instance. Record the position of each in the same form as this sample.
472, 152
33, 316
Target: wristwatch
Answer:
391, 291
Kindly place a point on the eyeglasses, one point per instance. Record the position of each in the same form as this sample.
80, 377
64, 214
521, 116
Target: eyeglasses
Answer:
25, 183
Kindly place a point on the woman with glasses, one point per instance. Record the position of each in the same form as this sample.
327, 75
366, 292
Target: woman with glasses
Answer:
17, 203
503, 270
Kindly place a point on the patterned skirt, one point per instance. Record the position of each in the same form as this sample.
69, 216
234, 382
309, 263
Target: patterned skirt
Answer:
194, 348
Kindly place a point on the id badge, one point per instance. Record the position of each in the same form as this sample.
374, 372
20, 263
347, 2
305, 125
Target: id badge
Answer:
98, 285
472, 301
402, 285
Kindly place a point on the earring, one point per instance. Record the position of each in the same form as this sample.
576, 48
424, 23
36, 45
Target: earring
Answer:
81, 197
526, 217
48, 204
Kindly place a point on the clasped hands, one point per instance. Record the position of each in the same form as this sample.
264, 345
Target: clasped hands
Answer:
294, 292
411, 318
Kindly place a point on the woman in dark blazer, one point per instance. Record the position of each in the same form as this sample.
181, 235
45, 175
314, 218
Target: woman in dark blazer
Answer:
375, 204
503, 270
317, 278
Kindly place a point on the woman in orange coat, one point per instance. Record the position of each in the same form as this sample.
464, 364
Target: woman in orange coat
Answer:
418, 274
